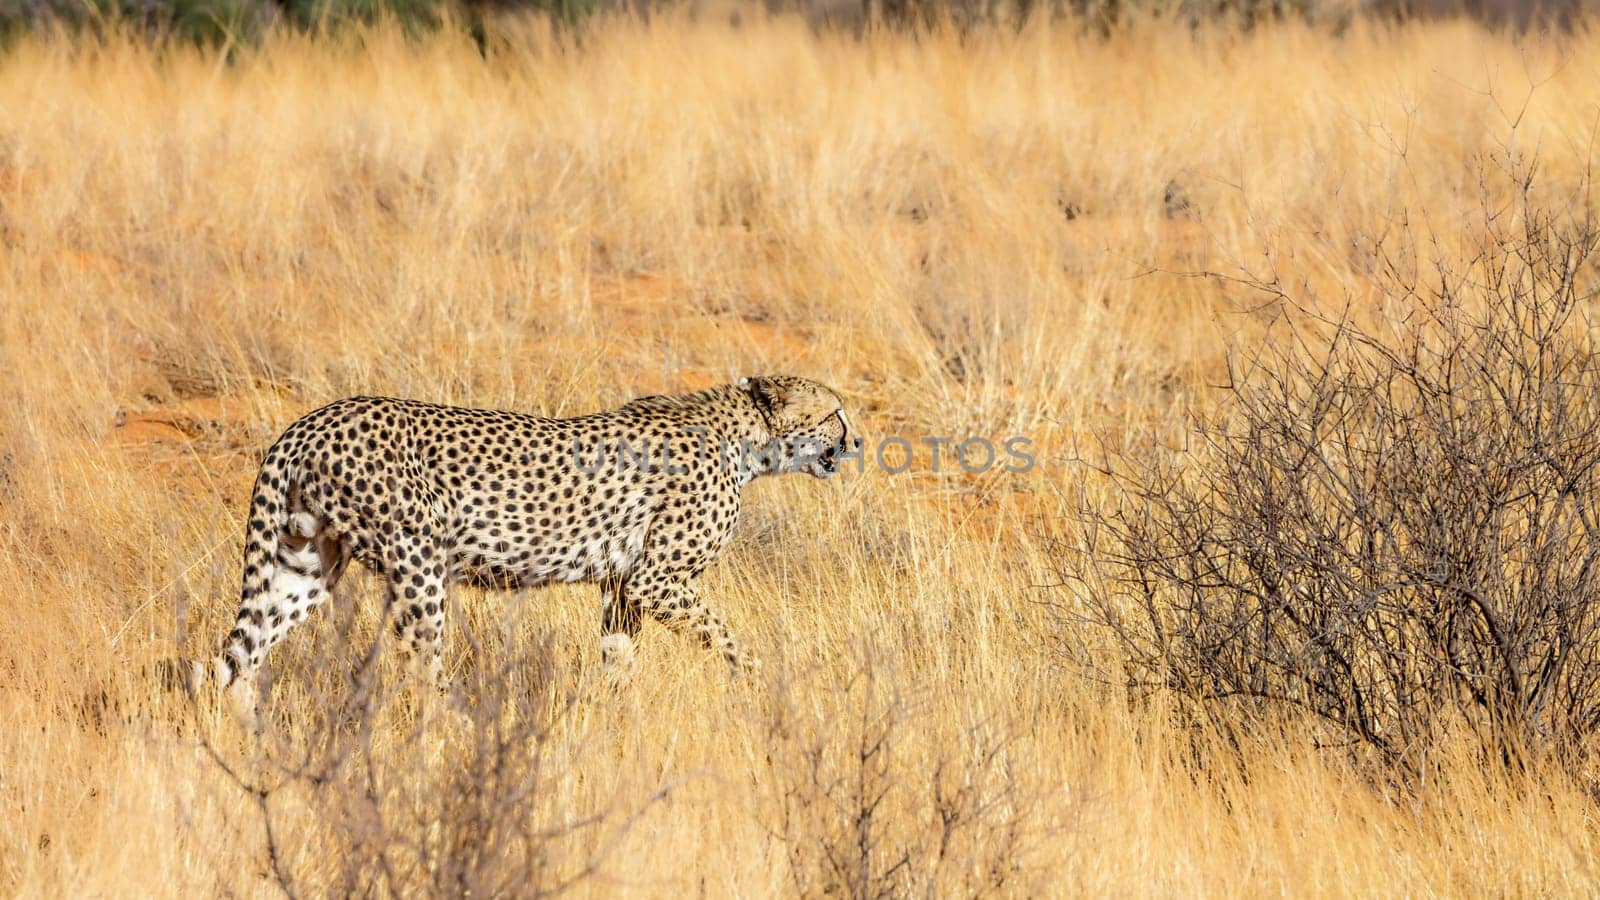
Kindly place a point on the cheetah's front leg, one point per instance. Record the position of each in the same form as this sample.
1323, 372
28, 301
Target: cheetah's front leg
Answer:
619, 631
675, 603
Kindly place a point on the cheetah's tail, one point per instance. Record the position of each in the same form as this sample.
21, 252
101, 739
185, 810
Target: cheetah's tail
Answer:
271, 514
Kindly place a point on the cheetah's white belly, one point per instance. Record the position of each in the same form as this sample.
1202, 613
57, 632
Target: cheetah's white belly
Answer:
609, 554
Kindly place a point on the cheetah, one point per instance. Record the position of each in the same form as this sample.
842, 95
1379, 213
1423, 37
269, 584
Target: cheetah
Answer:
639, 499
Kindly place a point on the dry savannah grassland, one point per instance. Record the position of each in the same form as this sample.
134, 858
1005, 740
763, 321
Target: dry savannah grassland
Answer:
966, 236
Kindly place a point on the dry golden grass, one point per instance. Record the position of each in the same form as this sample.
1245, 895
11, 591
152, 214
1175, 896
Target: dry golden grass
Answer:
193, 253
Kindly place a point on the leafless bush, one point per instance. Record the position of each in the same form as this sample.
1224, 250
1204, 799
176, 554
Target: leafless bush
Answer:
1393, 522
378, 790
868, 803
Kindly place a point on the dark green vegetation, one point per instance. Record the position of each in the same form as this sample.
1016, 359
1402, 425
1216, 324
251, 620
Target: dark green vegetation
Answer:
227, 22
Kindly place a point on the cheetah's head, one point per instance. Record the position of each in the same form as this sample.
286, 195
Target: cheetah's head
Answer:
807, 422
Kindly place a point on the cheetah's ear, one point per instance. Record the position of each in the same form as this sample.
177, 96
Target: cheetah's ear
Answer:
766, 393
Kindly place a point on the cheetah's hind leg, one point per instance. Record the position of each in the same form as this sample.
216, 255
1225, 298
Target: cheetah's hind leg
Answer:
416, 601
